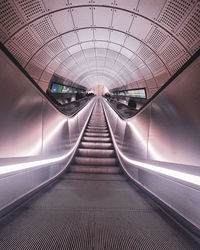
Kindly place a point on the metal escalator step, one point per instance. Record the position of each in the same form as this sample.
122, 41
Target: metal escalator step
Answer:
96, 152
98, 125
94, 177
96, 139
98, 116
96, 145
97, 130
95, 161
96, 170
96, 134
98, 120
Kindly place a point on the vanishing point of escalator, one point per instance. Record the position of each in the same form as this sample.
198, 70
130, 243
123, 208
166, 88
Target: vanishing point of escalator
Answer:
93, 207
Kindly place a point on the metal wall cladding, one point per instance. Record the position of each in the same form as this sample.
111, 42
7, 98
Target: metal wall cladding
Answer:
55, 132
137, 132
167, 130
175, 120
20, 112
32, 131
165, 134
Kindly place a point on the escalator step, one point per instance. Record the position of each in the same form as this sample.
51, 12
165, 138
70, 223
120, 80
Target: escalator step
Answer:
96, 145
96, 169
95, 161
97, 124
96, 134
96, 139
97, 119
94, 177
96, 152
97, 128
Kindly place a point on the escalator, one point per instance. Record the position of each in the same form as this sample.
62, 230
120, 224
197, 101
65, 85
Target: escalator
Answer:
93, 206
96, 153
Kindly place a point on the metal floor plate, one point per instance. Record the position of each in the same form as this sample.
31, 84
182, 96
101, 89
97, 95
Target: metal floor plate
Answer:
78, 214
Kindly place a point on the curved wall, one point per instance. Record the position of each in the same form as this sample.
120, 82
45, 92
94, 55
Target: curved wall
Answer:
142, 43
159, 147
37, 141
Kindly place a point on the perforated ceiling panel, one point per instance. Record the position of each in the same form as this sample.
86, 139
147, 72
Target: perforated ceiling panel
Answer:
3, 36
112, 43
10, 18
26, 40
189, 32
43, 57
157, 38
21, 57
55, 47
145, 53
171, 52
44, 28
30, 8
174, 12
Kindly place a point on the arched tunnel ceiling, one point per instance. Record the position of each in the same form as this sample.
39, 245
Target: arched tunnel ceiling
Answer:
137, 43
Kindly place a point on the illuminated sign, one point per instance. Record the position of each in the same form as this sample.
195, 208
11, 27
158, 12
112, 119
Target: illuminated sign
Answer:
139, 93
62, 89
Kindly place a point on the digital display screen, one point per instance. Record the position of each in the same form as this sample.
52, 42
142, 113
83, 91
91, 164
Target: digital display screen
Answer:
138, 93
54, 88
74, 90
62, 89
59, 90
66, 89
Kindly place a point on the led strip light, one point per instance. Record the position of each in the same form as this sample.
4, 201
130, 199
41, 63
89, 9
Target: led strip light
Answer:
26, 165
21, 166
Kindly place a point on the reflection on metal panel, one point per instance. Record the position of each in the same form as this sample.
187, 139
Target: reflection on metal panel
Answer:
37, 141
161, 144
175, 120
55, 132
140, 136
20, 112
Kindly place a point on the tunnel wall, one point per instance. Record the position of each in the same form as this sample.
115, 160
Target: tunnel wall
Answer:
37, 141
159, 147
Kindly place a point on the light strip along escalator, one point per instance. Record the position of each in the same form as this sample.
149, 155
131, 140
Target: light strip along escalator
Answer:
93, 207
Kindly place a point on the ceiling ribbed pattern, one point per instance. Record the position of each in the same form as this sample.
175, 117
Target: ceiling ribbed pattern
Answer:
122, 43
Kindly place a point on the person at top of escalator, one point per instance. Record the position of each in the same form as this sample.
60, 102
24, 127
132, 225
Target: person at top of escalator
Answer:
132, 103
107, 95
78, 96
